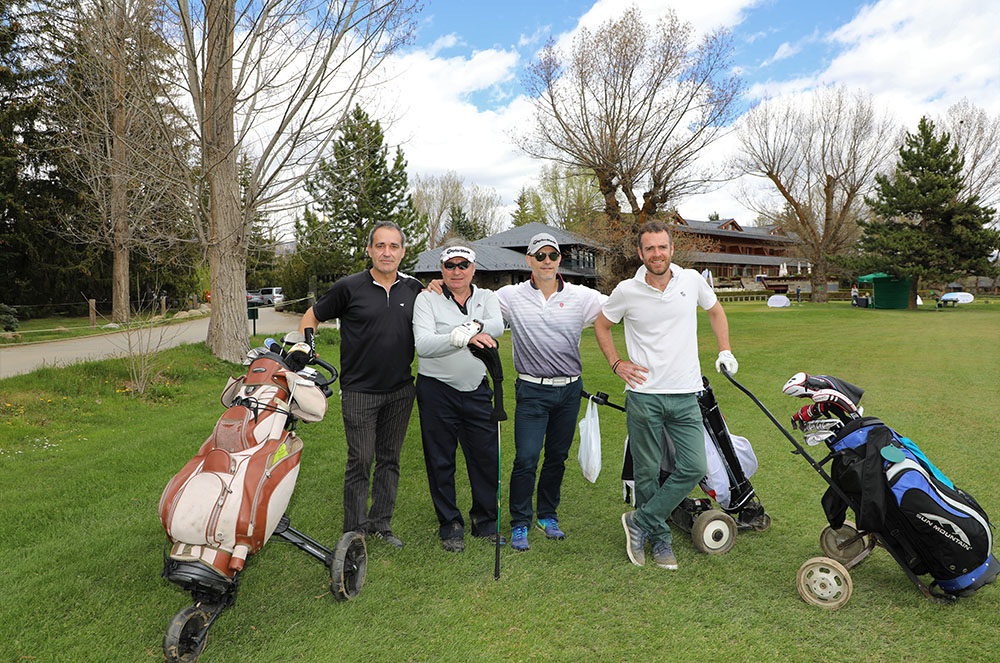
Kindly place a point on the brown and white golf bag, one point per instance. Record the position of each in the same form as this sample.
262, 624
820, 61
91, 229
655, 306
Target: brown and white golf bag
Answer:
227, 500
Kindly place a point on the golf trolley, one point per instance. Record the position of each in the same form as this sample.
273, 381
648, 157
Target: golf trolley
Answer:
231, 497
902, 502
713, 526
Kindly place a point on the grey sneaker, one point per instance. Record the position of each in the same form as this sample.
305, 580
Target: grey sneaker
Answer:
663, 555
635, 539
389, 538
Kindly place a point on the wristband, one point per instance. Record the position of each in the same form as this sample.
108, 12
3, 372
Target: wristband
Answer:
614, 369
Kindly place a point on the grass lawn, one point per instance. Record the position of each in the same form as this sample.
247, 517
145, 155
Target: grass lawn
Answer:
82, 465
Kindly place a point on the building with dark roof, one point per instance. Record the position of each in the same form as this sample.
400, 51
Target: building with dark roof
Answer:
500, 258
744, 252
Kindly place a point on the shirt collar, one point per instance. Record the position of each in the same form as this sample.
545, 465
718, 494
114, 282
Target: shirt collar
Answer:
559, 280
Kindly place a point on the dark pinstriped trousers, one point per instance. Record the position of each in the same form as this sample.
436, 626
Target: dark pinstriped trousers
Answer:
375, 426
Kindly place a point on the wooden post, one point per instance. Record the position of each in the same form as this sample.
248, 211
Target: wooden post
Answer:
93, 313
163, 305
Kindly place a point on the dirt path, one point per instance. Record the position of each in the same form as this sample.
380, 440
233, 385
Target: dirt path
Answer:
24, 358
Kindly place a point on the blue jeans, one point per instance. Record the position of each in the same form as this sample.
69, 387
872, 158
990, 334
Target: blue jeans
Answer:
545, 416
647, 415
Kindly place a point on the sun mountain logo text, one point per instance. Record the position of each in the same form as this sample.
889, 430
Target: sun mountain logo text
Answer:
942, 527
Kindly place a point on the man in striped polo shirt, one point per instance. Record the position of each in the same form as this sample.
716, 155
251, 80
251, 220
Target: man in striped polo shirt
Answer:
375, 308
546, 317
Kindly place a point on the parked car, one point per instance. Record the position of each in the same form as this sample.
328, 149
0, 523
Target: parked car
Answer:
271, 295
254, 299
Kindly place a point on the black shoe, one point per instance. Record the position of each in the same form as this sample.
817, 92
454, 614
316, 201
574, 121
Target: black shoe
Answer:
389, 538
454, 544
492, 538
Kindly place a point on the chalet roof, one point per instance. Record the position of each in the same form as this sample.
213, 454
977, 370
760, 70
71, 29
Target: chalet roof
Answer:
490, 259
517, 238
724, 228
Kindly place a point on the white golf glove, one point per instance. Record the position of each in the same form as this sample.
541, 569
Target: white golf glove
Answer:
462, 334
727, 359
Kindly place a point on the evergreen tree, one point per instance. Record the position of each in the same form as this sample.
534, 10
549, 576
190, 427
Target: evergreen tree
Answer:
358, 187
37, 266
923, 227
460, 225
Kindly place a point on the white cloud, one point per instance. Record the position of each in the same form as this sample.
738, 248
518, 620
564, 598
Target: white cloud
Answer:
784, 52
915, 56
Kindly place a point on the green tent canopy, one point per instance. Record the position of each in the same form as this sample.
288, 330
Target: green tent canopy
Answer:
888, 291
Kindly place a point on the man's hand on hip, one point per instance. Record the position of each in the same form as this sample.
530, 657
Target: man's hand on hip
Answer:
633, 374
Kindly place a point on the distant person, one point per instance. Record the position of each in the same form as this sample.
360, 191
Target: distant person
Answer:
546, 316
454, 396
798, 294
375, 308
854, 294
662, 377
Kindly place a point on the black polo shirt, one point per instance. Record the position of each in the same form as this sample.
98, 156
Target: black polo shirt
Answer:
376, 330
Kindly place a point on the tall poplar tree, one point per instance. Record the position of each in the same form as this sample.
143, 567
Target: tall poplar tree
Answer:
358, 187
924, 227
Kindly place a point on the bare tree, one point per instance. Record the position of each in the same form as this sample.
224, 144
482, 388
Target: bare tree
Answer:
634, 105
112, 147
272, 79
435, 196
977, 137
821, 155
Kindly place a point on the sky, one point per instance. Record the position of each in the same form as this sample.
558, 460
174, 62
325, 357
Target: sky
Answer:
453, 98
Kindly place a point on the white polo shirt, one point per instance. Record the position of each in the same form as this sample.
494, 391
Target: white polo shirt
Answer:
661, 328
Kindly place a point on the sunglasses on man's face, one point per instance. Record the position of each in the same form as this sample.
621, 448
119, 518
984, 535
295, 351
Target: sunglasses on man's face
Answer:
452, 266
552, 255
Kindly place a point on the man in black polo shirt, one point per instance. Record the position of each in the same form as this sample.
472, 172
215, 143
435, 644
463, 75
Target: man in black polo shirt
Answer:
375, 308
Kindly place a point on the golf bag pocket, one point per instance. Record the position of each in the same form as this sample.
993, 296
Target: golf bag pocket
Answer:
949, 529
205, 511
717, 483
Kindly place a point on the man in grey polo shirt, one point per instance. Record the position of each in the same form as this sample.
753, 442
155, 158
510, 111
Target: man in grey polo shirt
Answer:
546, 316
662, 377
454, 397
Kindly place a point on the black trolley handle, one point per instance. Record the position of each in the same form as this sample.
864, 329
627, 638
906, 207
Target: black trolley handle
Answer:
799, 449
601, 399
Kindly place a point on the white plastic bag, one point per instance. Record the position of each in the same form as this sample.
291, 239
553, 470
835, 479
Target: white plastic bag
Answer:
590, 443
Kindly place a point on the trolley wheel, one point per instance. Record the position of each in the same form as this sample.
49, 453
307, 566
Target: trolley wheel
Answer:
186, 635
831, 539
761, 523
713, 532
348, 566
824, 582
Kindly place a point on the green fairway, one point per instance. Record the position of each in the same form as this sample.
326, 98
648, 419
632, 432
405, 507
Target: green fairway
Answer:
83, 463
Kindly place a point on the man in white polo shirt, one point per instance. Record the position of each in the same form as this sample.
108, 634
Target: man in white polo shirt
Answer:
662, 376
546, 317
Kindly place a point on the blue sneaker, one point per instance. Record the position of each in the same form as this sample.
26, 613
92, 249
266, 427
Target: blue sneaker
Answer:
519, 538
551, 528
663, 555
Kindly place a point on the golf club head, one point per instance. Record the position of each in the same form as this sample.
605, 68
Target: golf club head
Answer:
803, 385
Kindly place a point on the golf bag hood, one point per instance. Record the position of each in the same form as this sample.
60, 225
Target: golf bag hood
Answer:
491, 359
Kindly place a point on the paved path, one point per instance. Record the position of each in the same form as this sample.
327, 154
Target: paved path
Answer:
24, 358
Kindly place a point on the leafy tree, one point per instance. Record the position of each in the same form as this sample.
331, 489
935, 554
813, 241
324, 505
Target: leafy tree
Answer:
37, 266
529, 208
924, 228
358, 187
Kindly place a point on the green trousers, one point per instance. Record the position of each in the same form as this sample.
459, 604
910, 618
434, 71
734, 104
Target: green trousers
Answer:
647, 415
